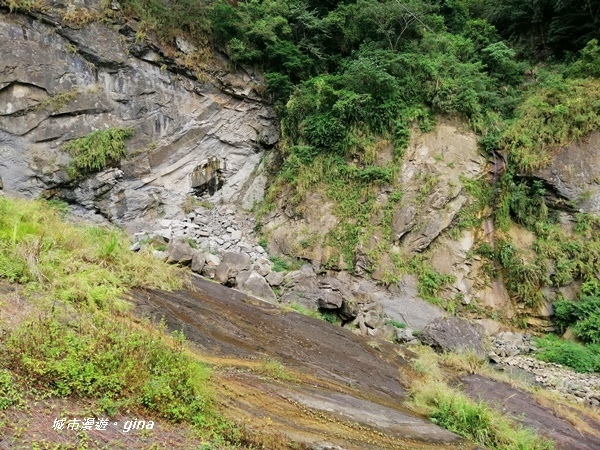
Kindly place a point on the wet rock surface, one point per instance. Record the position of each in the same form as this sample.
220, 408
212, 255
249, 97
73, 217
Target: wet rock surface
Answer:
342, 377
531, 413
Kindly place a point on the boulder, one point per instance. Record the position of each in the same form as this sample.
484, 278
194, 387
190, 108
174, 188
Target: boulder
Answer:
236, 262
403, 304
198, 262
180, 251
222, 273
262, 266
454, 334
275, 278
252, 283
322, 293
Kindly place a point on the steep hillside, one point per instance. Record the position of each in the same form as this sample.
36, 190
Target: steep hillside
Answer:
411, 172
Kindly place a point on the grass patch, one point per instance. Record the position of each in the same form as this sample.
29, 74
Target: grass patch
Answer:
82, 265
395, 323
327, 316
558, 112
96, 356
274, 369
453, 410
283, 264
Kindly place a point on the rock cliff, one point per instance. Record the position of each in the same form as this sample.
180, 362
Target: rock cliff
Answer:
61, 82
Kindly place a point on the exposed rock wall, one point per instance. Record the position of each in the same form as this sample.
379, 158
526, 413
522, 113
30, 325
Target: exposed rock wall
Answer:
191, 136
574, 174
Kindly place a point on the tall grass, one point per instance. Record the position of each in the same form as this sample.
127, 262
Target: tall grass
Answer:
80, 264
453, 410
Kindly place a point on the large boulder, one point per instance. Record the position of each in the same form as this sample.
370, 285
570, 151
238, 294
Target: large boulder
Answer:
232, 263
254, 284
322, 293
454, 334
180, 251
404, 305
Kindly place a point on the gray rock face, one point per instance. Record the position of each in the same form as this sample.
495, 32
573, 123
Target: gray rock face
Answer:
575, 173
58, 83
404, 305
321, 293
454, 334
236, 262
198, 262
431, 176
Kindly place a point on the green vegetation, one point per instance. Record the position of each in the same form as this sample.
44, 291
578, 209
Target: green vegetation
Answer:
97, 151
453, 410
274, 369
395, 323
78, 264
9, 395
327, 316
581, 358
558, 111
582, 315
95, 356
171, 19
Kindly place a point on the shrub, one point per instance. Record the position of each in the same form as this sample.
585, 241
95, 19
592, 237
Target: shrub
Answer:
581, 358
98, 357
9, 395
97, 150
583, 315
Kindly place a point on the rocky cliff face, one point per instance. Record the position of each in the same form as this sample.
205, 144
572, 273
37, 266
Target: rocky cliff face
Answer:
206, 136
58, 83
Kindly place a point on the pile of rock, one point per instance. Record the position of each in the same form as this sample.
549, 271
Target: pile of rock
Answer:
511, 349
214, 230
217, 243
509, 344
583, 388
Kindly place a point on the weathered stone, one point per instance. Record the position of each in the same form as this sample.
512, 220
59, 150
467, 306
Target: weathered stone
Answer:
252, 283
455, 334
198, 262
373, 319
180, 251
222, 274
94, 77
262, 266
160, 255
275, 278
574, 173
236, 262
404, 305
212, 260
404, 335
